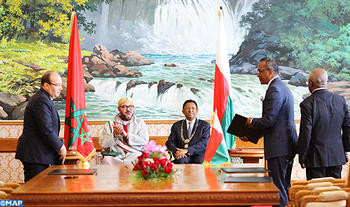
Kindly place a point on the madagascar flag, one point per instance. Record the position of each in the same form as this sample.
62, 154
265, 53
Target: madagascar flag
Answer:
220, 141
76, 133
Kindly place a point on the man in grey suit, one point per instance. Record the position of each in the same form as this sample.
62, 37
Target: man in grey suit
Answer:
39, 146
324, 129
277, 123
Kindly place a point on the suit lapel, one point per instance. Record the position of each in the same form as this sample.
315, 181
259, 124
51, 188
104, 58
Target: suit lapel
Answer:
195, 126
274, 81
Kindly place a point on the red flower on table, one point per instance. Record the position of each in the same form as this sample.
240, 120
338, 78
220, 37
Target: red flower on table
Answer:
168, 169
153, 163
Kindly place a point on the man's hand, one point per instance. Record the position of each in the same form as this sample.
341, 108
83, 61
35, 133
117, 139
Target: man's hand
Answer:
244, 139
62, 153
248, 122
180, 153
119, 130
347, 154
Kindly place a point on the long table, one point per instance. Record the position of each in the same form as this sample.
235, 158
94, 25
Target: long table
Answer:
192, 185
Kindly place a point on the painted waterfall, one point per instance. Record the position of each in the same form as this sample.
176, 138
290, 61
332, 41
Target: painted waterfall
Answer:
183, 32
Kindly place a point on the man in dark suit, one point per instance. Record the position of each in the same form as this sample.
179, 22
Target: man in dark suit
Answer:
39, 145
277, 123
324, 116
189, 138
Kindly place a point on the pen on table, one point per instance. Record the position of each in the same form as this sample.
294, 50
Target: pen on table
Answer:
70, 177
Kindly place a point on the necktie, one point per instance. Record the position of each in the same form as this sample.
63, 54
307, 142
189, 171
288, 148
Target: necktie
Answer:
190, 129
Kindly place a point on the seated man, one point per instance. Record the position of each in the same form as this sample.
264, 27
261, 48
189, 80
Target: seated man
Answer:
125, 135
189, 138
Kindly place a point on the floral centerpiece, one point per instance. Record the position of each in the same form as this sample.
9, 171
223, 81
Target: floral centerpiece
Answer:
154, 163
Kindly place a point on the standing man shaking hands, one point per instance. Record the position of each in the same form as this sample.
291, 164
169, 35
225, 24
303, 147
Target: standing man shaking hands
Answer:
39, 146
277, 123
324, 129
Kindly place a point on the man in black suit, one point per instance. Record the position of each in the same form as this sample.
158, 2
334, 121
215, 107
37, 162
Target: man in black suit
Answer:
324, 129
189, 138
277, 123
39, 146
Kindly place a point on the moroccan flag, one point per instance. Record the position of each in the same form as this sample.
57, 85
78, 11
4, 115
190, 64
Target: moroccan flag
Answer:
76, 133
220, 141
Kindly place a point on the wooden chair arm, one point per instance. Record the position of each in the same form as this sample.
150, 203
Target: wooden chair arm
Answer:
325, 179
6, 189
302, 193
311, 186
307, 199
3, 195
317, 191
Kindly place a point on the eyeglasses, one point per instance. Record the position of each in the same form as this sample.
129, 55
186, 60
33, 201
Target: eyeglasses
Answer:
56, 84
261, 71
127, 107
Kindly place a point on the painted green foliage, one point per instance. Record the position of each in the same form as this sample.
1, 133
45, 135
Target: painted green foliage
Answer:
317, 31
42, 19
19, 79
30, 32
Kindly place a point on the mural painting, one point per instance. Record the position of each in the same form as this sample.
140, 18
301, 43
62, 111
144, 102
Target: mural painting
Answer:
162, 52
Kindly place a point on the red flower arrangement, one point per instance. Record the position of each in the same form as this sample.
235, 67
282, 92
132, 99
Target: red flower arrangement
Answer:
153, 163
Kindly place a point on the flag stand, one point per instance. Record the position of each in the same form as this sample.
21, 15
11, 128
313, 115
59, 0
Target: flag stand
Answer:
83, 164
84, 161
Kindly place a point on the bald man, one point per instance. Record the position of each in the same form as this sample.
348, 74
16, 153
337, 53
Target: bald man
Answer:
324, 129
39, 146
125, 135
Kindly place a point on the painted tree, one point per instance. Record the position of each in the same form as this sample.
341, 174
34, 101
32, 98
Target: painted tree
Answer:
42, 19
316, 31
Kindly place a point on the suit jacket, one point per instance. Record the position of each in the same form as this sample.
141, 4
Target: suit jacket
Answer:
277, 121
323, 116
198, 143
39, 142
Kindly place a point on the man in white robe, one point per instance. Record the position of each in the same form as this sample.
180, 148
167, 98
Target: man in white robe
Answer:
124, 136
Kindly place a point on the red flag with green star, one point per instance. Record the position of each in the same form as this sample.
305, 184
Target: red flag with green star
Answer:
76, 133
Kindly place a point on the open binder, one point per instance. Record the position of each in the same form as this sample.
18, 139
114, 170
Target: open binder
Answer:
238, 128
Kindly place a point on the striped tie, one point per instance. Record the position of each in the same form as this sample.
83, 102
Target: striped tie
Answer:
190, 129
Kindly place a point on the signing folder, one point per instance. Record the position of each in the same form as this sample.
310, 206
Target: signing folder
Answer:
73, 172
245, 170
247, 179
238, 128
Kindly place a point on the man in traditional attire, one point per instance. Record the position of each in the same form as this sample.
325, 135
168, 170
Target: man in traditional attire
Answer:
189, 138
125, 136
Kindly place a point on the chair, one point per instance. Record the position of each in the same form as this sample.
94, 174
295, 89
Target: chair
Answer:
310, 186
3, 195
301, 185
316, 191
8, 187
327, 198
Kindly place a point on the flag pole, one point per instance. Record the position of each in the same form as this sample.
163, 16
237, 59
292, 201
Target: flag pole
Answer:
76, 133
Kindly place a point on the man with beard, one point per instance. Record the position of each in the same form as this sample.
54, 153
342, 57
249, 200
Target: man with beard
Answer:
125, 136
